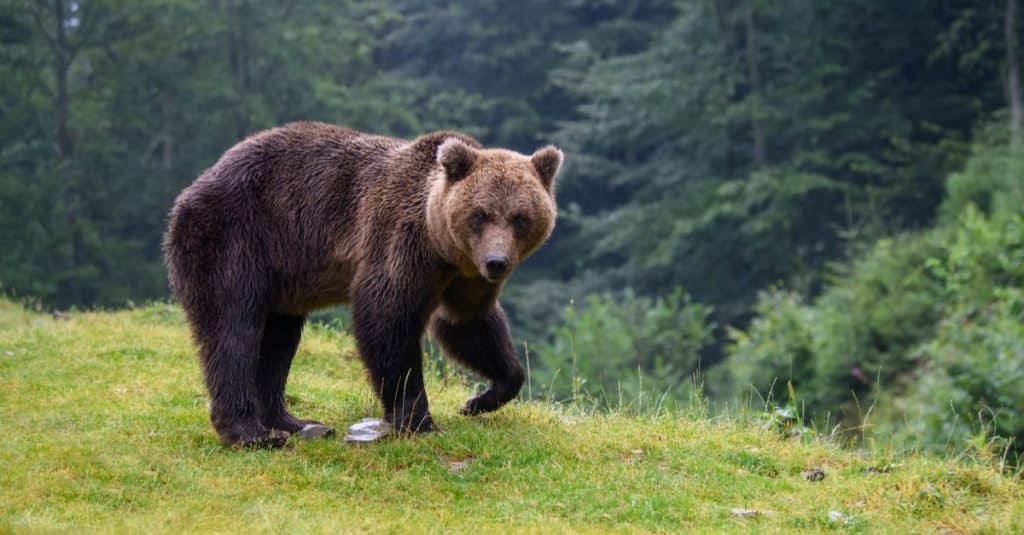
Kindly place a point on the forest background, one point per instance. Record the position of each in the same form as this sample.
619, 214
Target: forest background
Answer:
809, 206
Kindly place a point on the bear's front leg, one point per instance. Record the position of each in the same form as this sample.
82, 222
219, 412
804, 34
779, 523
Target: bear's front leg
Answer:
483, 344
388, 338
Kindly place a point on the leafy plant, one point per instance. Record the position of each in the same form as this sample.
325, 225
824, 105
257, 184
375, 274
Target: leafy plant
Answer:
973, 364
624, 349
835, 351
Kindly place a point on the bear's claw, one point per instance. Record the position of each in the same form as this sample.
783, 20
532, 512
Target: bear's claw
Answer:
485, 402
272, 440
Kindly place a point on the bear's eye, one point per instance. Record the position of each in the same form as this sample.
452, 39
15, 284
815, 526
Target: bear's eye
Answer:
477, 219
521, 223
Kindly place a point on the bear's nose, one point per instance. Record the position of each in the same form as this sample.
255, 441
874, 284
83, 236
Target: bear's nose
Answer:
496, 266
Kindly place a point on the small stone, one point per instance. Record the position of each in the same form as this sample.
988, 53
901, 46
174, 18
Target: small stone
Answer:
313, 431
839, 517
814, 474
368, 430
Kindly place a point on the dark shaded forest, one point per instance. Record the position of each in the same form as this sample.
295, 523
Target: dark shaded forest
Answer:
814, 205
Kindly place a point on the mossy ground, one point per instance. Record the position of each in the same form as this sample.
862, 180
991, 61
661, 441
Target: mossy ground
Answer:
105, 429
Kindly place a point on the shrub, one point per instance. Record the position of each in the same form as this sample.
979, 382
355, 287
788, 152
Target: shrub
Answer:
862, 331
991, 179
972, 380
777, 348
617, 350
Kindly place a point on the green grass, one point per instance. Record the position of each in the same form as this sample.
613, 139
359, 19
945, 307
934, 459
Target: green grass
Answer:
13, 315
104, 423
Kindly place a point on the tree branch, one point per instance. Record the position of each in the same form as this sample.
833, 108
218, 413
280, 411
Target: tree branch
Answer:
37, 16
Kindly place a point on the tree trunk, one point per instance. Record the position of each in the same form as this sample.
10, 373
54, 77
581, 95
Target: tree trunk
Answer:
167, 158
1013, 84
66, 146
238, 55
754, 75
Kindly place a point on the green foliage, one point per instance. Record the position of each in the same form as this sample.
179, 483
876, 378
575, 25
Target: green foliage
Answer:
973, 364
777, 348
617, 349
929, 323
721, 158
111, 111
861, 333
991, 178
974, 369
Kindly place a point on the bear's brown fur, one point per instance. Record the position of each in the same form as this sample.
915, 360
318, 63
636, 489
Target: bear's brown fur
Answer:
411, 233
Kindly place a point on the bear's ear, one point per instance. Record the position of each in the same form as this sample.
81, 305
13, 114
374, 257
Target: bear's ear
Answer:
456, 157
547, 161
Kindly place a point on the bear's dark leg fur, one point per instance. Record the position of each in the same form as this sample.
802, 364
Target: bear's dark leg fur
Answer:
389, 344
483, 344
229, 355
280, 340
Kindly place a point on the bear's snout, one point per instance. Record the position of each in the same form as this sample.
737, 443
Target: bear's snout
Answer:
496, 266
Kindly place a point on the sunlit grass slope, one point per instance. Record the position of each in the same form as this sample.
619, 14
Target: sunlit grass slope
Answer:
104, 429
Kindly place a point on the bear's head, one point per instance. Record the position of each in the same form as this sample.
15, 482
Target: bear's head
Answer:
490, 208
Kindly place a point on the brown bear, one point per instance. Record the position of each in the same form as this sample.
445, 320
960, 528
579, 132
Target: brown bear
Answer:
411, 233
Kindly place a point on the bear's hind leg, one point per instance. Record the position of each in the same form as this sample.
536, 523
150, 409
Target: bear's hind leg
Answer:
280, 340
484, 346
229, 356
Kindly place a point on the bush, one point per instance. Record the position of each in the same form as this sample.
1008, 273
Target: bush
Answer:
972, 380
991, 179
934, 321
778, 348
617, 350
862, 331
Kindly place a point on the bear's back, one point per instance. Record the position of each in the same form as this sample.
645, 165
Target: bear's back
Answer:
296, 154
287, 201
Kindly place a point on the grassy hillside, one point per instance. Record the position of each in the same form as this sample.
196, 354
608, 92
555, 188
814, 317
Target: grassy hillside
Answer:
105, 429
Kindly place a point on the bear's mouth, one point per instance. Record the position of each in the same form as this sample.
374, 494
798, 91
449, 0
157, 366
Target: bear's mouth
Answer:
493, 279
